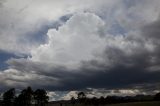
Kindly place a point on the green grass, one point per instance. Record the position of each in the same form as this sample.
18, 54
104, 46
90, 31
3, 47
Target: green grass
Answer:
137, 104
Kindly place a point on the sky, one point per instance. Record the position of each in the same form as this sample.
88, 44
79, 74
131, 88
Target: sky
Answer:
101, 47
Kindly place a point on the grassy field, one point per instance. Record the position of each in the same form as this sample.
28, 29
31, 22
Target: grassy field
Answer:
153, 103
137, 104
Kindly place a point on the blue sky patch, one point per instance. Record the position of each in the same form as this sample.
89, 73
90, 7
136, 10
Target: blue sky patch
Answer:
4, 56
39, 36
117, 29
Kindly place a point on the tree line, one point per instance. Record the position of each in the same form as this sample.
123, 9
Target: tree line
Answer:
27, 97
82, 99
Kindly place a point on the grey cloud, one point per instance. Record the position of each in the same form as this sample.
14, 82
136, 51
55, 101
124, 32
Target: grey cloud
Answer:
127, 70
118, 77
21, 28
1, 3
128, 61
152, 32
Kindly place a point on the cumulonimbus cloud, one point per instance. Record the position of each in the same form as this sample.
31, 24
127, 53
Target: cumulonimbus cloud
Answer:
89, 48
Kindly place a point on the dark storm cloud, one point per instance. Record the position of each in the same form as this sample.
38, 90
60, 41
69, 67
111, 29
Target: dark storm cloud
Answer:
118, 77
130, 61
152, 33
127, 71
130, 70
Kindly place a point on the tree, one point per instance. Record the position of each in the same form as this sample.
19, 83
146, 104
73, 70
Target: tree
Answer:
40, 97
8, 97
26, 97
95, 101
157, 96
102, 100
73, 100
20, 100
81, 96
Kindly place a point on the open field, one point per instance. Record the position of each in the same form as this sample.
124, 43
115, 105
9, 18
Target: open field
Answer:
153, 103
137, 104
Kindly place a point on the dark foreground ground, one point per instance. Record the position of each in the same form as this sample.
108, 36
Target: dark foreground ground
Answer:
137, 104
153, 103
